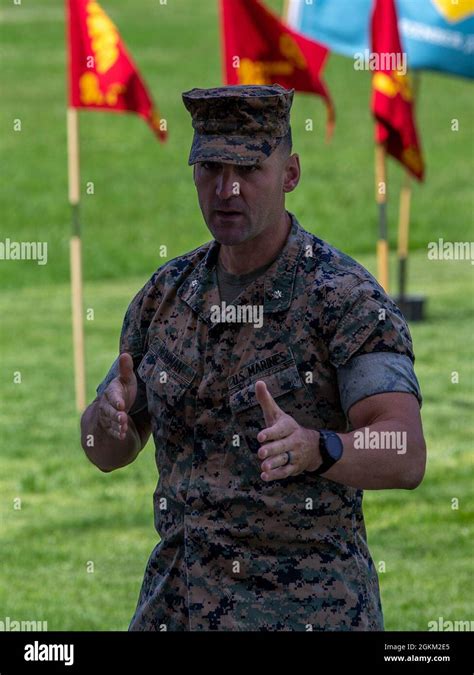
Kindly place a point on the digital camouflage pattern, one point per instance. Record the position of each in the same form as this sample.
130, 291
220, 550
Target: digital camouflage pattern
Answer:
241, 124
237, 553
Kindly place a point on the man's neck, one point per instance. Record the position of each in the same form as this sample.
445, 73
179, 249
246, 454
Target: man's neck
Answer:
257, 252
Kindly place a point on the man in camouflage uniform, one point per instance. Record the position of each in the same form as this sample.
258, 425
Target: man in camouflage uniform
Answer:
271, 369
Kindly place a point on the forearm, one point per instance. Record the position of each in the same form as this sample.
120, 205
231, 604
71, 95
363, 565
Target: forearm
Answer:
386, 454
106, 452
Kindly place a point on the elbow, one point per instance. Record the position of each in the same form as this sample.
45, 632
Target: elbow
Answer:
87, 440
103, 468
93, 460
88, 451
414, 474
413, 480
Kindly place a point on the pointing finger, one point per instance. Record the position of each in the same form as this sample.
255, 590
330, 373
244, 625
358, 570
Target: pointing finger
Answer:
125, 368
271, 411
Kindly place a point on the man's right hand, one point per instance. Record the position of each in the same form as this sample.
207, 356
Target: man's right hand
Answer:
118, 398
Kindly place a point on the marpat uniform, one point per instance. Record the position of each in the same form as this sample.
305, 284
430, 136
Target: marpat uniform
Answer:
236, 552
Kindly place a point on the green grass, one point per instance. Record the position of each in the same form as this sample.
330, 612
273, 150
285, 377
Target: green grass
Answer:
142, 189
71, 513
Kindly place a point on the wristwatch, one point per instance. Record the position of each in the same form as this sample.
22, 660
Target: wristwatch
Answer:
331, 449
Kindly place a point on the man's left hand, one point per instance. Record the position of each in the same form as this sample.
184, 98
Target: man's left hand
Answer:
284, 435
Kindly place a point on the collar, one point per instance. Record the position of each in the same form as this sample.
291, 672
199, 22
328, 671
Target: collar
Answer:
200, 290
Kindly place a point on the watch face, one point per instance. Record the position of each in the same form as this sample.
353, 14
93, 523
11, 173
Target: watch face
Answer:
334, 446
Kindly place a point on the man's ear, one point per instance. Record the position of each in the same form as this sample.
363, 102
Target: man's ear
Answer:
292, 173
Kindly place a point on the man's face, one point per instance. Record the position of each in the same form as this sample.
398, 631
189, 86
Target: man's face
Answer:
238, 202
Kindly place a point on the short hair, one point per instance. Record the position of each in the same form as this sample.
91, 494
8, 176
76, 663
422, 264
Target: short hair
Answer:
286, 143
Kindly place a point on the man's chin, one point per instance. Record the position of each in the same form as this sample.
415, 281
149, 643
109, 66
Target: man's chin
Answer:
229, 234
229, 240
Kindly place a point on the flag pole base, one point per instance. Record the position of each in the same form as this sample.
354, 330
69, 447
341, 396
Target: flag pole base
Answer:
413, 307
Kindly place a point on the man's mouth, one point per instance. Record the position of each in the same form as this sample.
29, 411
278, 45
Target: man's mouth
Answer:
228, 212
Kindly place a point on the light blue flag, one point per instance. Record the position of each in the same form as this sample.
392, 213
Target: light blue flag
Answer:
436, 34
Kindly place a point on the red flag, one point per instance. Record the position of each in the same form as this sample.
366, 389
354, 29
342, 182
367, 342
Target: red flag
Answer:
101, 73
392, 97
259, 49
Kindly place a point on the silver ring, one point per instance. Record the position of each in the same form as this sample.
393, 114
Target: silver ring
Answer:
288, 458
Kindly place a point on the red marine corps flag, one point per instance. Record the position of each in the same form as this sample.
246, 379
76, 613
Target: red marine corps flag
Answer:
392, 97
259, 49
102, 76
101, 72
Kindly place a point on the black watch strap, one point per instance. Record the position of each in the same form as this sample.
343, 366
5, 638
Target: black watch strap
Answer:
331, 448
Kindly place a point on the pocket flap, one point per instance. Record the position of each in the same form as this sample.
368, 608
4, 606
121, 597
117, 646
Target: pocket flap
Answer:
164, 372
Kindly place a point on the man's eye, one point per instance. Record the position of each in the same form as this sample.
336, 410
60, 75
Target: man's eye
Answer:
209, 166
248, 168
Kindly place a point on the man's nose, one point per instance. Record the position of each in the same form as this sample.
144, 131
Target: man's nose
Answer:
227, 183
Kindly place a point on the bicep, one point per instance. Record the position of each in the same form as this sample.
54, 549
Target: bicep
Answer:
401, 407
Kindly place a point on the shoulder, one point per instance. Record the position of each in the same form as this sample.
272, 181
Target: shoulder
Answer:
144, 305
170, 276
348, 305
332, 270
337, 281
175, 271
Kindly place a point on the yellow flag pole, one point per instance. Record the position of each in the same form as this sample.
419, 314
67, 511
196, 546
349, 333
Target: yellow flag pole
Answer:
381, 200
404, 218
75, 259
403, 229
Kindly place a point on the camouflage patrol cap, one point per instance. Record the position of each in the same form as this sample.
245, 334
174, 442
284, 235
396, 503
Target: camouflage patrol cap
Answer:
240, 124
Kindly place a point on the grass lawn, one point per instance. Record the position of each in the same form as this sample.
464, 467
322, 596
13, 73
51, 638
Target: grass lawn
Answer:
75, 552
141, 196
71, 514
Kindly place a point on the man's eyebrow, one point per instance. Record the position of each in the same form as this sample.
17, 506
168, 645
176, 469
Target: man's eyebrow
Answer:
238, 167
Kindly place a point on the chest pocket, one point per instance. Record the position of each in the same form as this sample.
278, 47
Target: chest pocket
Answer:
168, 380
241, 466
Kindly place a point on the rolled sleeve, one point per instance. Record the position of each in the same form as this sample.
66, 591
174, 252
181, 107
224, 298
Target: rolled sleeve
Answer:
376, 373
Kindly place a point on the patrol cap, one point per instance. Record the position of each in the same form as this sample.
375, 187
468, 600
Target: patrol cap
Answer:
238, 124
